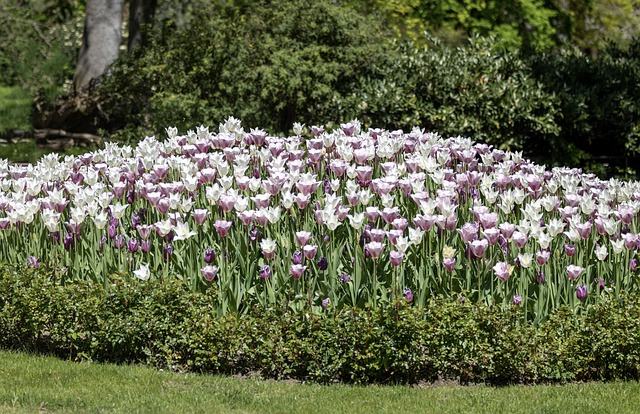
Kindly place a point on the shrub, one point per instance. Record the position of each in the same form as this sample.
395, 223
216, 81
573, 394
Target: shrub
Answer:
473, 91
168, 325
598, 110
271, 64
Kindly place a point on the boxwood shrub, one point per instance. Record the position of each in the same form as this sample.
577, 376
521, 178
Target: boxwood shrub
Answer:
167, 326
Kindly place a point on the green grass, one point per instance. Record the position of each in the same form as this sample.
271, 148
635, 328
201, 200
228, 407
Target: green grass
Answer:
15, 108
33, 383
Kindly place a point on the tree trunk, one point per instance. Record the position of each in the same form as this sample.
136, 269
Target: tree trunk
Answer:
141, 14
101, 40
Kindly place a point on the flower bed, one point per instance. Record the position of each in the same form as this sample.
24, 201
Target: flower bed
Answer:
321, 220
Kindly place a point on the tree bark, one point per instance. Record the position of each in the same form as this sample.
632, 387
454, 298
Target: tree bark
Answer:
141, 14
101, 40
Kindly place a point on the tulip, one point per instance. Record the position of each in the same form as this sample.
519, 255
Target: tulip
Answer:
408, 295
132, 245
542, 257
268, 248
222, 227
33, 262
265, 272
373, 249
478, 247
574, 272
396, 258
449, 263
569, 249
517, 299
209, 272
323, 263
325, 303
209, 255
581, 292
502, 270
143, 273
302, 238
297, 270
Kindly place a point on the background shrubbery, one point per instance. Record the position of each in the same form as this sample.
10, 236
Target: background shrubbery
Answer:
284, 62
273, 63
167, 325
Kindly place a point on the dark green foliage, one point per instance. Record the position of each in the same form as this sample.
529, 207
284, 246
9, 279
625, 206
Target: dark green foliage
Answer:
270, 64
167, 325
599, 102
472, 91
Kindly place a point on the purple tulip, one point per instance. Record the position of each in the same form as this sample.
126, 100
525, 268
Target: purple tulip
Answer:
303, 238
323, 263
520, 239
408, 295
33, 262
310, 251
265, 272
118, 241
491, 235
111, 231
145, 246
373, 249
325, 303
132, 245
297, 257
581, 292
569, 249
68, 241
209, 255
167, 251
539, 280
517, 300
255, 235
200, 216
136, 220
344, 278
469, 232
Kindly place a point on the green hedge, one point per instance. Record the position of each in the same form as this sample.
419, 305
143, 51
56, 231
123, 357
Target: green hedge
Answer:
166, 325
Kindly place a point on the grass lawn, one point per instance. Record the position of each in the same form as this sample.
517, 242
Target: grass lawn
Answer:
15, 108
33, 383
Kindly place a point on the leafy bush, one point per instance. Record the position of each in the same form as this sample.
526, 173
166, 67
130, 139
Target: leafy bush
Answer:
598, 105
473, 91
167, 325
270, 63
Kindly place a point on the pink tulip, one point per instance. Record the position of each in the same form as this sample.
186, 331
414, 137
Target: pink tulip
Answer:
574, 272
502, 271
297, 270
222, 227
373, 249
469, 232
302, 238
396, 257
478, 247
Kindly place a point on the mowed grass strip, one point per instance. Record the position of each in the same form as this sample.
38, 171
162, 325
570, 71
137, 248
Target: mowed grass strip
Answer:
34, 383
